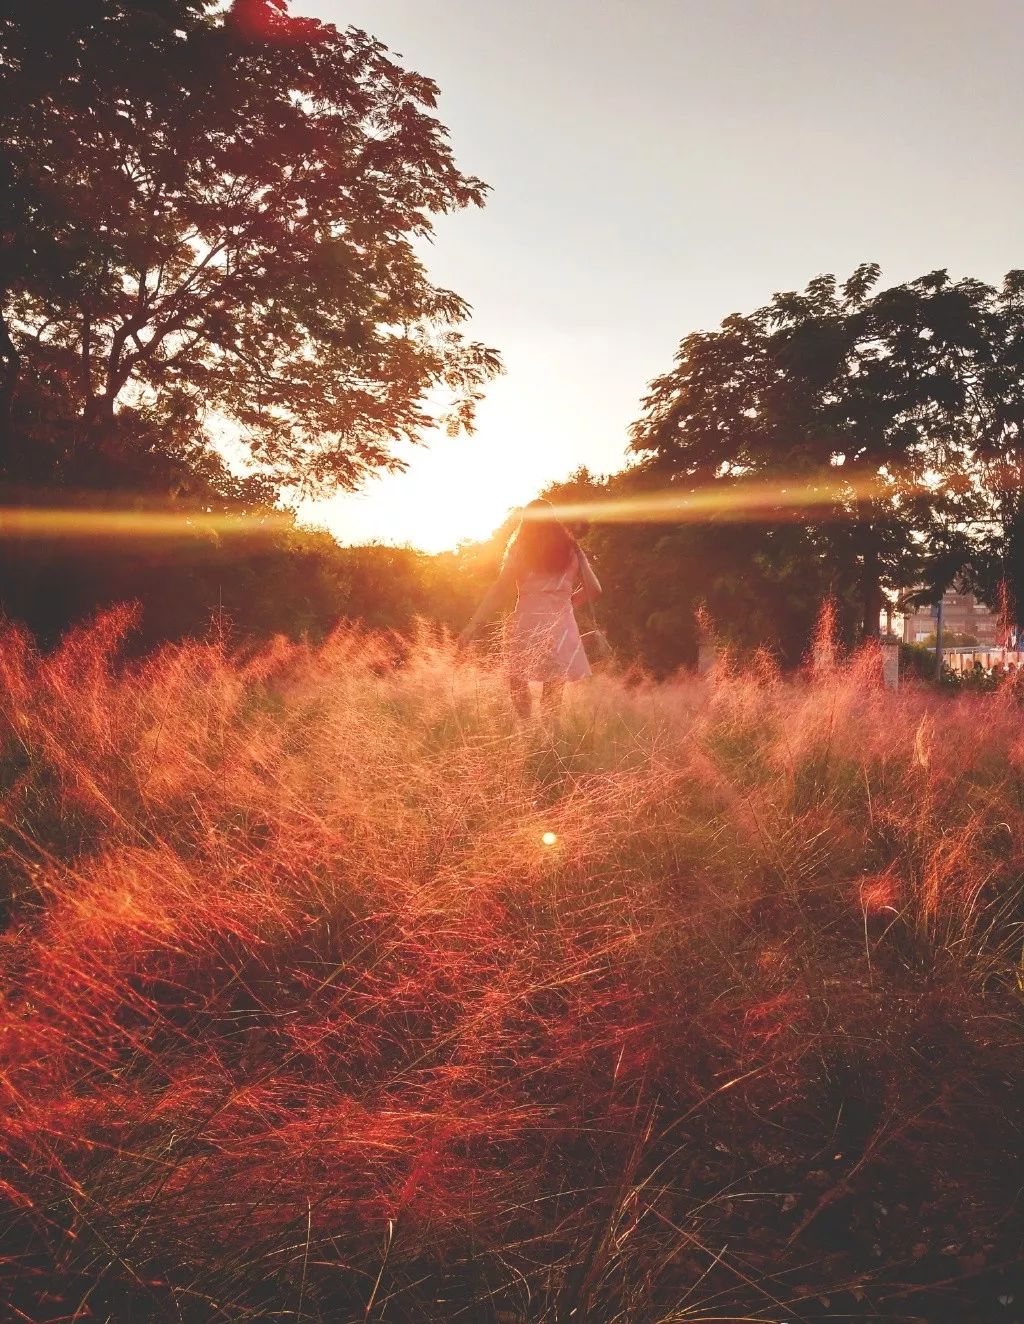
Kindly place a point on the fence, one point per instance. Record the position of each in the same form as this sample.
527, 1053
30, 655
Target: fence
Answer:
963, 659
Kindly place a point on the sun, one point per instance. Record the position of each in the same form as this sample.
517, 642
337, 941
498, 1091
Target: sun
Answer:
455, 492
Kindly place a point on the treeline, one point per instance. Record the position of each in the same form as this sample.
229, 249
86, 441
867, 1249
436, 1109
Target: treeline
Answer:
757, 584
251, 583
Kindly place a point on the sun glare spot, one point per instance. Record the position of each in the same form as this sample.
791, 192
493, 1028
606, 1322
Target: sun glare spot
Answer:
549, 838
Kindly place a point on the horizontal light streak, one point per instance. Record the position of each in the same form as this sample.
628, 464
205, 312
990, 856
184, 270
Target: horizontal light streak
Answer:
67, 522
742, 499
835, 494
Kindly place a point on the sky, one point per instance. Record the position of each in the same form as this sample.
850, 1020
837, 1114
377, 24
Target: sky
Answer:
656, 165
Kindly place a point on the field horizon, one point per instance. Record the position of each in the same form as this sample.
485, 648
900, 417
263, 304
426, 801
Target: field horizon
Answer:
332, 993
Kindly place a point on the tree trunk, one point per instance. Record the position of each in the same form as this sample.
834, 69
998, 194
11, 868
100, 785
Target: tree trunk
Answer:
871, 593
1013, 531
10, 371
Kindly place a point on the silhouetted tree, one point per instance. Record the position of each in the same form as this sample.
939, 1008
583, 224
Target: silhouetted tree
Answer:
207, 226
997, 544
869, 407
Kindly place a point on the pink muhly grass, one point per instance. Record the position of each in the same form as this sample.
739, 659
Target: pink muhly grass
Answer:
323, 980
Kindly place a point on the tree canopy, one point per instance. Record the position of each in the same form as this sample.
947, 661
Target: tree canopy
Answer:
208, 246
880, 415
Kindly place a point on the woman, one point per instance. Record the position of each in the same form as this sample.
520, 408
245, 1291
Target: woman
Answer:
543, 642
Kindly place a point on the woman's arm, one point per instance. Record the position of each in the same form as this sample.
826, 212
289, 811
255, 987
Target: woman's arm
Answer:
590, 589
490, 600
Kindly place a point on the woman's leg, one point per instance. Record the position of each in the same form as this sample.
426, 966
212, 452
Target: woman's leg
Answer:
551, 697
521, 701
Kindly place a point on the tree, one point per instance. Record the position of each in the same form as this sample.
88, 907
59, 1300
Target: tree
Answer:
208, 220
858, 412
996, 566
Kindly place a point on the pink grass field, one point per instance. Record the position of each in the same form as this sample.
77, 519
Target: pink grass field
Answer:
330, 994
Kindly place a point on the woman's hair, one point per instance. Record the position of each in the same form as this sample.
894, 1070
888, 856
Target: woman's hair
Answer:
541, 544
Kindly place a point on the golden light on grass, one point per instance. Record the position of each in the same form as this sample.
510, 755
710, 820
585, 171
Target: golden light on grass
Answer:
878, 892
334, 973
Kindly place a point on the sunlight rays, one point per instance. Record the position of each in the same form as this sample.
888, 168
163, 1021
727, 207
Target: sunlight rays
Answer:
38, 522
776, 499
834, 494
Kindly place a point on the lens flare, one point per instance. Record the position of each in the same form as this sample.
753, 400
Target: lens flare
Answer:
836, 493
549, 838
79, 522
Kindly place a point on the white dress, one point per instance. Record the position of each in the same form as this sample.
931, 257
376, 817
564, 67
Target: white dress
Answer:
543, 639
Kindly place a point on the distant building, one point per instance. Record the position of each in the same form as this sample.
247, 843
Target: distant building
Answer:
962, 614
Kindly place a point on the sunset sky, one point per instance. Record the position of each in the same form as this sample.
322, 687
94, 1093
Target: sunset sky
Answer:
658, 164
